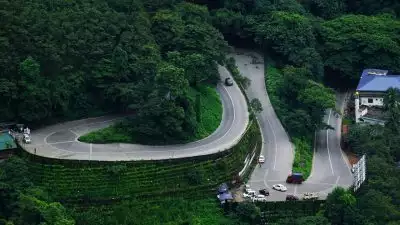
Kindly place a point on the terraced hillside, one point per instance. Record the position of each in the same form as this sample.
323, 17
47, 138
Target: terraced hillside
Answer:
88, 181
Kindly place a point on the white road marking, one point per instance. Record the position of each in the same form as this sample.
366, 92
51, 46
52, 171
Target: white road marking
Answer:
90, 151
276, 145
327, 142
337, 181
60, 142
313, 158
295, 190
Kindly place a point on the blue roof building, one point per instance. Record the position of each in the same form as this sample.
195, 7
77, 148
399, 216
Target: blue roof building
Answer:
374, 80
371, 89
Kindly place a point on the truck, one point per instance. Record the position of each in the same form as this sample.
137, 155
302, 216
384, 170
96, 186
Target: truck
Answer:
296, 178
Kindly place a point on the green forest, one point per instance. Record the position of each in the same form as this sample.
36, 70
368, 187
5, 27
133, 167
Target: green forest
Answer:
153, 60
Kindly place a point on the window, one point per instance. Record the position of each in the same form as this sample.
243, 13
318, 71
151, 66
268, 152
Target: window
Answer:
370, 100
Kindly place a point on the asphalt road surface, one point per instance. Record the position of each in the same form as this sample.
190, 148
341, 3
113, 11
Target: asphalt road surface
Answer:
60, 140
330, 167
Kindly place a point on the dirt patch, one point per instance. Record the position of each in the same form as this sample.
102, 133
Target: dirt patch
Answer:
353, 159
238, 194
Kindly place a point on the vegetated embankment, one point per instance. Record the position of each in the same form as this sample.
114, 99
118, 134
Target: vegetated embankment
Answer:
73, 181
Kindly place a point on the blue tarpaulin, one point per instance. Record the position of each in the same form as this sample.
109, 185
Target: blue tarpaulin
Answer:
225, 196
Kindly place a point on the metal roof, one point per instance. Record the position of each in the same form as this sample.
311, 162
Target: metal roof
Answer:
377, 80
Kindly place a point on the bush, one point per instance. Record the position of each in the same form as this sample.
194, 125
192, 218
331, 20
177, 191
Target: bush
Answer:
303, 157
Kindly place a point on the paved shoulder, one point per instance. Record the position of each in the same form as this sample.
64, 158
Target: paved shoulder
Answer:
60, 141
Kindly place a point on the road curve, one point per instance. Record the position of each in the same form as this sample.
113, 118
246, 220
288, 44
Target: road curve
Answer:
60, 140
277, 148
330, 167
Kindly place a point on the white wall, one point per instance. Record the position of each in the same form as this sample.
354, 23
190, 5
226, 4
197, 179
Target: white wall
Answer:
376, 101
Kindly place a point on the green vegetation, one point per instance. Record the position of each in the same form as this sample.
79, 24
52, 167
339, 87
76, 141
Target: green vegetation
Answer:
168, 211
210, 110
209, 114
109, 56
109, 134
159, 192
303, 157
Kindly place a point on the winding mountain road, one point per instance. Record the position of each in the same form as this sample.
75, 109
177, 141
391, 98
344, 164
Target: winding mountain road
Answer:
330, 167
61, 140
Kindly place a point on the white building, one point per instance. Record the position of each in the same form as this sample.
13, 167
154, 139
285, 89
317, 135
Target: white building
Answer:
371, 89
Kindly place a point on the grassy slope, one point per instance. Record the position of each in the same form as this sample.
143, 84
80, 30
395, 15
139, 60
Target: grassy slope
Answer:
211, 115
210, 111
173, 211
304, 153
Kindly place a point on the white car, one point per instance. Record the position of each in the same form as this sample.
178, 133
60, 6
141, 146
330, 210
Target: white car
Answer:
26, 139
245, 195
310, 196
279, 187
261, 159
259, 198
250, 191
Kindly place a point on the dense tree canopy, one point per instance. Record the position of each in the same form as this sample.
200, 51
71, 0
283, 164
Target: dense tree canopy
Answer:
74, 59
354, 42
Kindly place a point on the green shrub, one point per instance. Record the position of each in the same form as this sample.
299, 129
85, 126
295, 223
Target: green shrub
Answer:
303, 157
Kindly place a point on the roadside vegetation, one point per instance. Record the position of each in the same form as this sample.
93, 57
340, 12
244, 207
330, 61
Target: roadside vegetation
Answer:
208, 117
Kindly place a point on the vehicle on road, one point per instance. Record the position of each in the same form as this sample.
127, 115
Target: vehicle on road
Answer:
291, 198
264, 192
250, 191
279, 187
261, 159
245, 195
259, 198
310, 196
26, 139
228, 81
296, 178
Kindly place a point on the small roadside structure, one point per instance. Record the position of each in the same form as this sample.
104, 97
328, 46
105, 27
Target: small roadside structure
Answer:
224, 195
7, 145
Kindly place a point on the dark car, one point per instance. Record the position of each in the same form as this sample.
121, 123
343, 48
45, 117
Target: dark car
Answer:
291, 198
228, 81
264, 192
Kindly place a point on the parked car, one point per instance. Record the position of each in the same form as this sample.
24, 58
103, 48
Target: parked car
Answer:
259, 198
261, 159
245, 195
264, 192
279, 187
291, 198
310, 196
26, 139
250, 191
228, 81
